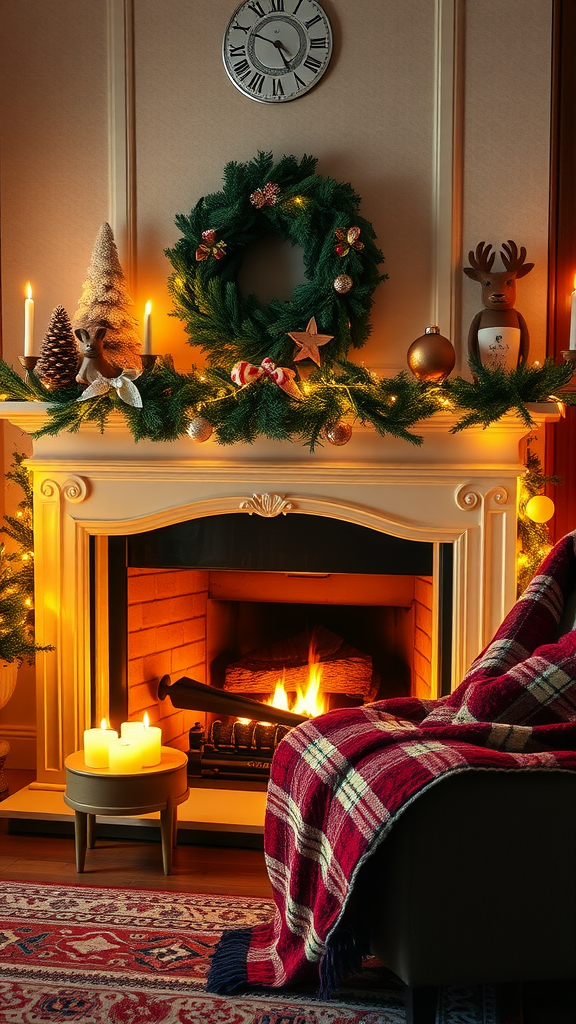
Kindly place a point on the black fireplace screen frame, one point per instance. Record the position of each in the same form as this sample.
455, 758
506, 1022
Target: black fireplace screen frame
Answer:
295, 544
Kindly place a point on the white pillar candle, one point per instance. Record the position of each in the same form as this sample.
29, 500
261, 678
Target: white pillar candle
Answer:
572, 342
151, 739
125, 757
147, 348
28, 322
131, 730
96, 745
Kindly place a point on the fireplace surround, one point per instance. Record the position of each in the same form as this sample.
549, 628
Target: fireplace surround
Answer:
455, 495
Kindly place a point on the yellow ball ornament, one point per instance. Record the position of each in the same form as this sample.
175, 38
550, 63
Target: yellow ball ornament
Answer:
540, 508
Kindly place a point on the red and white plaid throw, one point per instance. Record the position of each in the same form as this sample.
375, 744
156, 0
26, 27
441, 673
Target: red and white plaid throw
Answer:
340, 781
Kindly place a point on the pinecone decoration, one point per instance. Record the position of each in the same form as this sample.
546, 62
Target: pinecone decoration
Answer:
58, 363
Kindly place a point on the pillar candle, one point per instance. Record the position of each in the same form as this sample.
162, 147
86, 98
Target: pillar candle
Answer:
29, 322
131, 730
147, 347
96, 745
151, 740
125, 757
572, 342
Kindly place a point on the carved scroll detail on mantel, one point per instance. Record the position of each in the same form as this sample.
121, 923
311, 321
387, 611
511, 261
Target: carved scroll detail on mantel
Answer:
498, 495
266, 505
467, 499
49, 489
75, 489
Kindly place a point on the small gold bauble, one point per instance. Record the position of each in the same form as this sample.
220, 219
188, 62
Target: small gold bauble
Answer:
339, 434
199, 429
540, 508
343, 283
431, 357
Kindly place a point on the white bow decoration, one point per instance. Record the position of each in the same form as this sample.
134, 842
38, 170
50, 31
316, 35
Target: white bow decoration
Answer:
122, 385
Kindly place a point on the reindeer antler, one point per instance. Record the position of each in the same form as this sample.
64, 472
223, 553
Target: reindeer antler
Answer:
482, 260
510, 257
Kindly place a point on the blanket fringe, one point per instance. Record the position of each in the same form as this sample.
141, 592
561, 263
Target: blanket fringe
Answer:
342, 956
228, 970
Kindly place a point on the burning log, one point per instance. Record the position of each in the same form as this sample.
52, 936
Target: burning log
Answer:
344, 669
195, 696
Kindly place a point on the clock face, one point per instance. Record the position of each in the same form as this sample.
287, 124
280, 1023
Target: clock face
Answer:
276, 50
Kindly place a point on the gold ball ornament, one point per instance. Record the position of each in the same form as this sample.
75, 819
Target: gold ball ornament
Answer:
540, 508
339, 434
343, 283
431, 357
199, 429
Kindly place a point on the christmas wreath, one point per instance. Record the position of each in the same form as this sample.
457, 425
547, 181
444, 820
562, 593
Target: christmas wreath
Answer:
287, 199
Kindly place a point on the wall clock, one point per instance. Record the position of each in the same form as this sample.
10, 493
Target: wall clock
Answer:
277, 50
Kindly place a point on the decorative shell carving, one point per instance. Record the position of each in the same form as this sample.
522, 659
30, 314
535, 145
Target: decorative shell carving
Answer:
267, 505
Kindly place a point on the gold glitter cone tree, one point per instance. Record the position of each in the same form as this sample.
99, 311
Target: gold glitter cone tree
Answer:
106, 302
58, 363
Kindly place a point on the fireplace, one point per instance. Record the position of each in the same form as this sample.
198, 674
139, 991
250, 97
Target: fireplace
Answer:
239, 602
100, 499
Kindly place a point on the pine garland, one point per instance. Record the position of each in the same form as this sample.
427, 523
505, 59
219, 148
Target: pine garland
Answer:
17, 575
493, 392
172, 400
533, 538
306, 210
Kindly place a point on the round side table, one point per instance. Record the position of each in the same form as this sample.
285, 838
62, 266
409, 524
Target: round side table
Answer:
92, 791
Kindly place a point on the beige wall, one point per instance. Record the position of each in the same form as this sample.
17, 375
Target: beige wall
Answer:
369, 121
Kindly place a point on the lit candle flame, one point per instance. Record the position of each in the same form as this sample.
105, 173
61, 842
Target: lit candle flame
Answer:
146, 720
148, 308
104, 724
29, 290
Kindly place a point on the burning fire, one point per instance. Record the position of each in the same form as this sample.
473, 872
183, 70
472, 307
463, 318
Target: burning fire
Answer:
308, 701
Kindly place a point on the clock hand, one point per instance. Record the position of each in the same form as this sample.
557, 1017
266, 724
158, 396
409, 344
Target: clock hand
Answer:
280, 47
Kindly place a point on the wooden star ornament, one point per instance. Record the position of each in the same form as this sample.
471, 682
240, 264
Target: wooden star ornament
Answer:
309, 342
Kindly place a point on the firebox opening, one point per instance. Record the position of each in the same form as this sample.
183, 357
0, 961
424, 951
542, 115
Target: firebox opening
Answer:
198, 597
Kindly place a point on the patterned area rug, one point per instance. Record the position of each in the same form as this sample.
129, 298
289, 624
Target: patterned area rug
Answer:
120, 956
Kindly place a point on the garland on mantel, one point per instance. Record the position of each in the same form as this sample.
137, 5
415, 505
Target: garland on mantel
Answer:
171, 401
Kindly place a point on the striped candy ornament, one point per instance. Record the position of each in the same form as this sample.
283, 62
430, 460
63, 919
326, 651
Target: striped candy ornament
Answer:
246, 373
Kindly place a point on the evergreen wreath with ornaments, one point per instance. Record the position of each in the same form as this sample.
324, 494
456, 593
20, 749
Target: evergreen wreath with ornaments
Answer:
286, 199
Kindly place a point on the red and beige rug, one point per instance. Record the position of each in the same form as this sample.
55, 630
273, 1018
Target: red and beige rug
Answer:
117, 956
83, 955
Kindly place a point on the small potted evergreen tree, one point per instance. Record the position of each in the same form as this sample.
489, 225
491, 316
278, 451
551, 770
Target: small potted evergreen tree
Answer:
16, 595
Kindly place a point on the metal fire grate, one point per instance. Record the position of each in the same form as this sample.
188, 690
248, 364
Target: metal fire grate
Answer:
236, 750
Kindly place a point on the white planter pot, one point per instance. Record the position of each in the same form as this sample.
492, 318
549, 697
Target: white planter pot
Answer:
8, 676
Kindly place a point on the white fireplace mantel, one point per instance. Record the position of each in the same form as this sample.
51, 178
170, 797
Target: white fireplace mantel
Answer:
460, 489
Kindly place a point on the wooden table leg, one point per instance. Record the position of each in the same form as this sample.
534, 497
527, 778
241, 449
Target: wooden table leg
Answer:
91, 831
174, 825
166, 829
80, 831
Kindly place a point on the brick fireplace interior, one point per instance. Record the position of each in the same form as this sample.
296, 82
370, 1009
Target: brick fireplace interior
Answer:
194, 598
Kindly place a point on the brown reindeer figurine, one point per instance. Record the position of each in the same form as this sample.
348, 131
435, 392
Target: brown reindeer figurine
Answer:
498, 334
94, 361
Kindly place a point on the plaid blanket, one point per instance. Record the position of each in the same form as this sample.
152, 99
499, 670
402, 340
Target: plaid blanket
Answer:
339, 782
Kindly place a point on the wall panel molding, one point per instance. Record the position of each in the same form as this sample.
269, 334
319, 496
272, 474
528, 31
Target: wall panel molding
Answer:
447, 172
122, 132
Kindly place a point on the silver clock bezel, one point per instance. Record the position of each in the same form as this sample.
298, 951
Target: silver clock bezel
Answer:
281, 73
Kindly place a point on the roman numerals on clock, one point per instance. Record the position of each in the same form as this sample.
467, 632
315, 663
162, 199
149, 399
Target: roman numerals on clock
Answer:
277, 50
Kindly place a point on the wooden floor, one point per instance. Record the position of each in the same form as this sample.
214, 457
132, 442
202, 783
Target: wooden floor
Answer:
129, 863
201, 869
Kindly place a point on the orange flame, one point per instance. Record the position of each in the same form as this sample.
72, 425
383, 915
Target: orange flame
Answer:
308, 701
